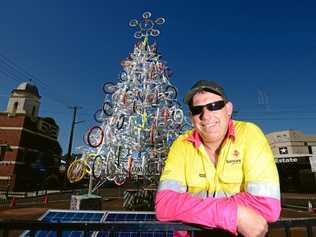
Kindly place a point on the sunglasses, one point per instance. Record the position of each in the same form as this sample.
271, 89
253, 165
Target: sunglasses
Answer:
213, 106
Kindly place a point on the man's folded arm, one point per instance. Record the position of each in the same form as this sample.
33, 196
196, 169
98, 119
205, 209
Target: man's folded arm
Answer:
210, 212
213, 212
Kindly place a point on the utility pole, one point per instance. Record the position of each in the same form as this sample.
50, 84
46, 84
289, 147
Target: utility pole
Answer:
74, 122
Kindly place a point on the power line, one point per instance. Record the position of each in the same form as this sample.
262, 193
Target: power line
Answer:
10, 75
20, 70
19, 74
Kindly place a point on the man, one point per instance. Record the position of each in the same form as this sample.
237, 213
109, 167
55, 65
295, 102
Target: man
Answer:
221, 174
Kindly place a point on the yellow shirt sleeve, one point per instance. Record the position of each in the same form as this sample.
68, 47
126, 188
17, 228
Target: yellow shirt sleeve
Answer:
259, 164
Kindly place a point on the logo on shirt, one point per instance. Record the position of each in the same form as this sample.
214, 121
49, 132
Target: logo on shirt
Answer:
235, 159
236, 154
202, 175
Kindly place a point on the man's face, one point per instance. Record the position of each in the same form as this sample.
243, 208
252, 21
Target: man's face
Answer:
211, 125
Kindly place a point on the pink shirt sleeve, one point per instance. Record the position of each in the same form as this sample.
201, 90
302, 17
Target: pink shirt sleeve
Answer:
212, 212
269, 208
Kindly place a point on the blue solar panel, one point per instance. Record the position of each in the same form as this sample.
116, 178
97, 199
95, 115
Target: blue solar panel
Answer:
130, 216
133, 216
70, 216
64, 216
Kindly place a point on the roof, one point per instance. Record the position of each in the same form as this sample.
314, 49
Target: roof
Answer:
29, 88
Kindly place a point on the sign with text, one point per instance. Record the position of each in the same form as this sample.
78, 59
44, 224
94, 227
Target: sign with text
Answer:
286, 160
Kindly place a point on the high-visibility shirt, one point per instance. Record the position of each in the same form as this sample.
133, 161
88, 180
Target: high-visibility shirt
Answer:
245, 166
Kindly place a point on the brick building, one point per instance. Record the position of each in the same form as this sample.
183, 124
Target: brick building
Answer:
295, 156
29, 150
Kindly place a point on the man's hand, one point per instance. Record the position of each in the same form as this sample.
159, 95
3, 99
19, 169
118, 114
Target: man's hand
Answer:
249, 223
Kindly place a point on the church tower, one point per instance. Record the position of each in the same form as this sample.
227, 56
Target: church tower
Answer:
25, 99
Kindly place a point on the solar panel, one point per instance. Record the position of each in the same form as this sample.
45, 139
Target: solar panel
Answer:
132, 216
72, 216
67, 216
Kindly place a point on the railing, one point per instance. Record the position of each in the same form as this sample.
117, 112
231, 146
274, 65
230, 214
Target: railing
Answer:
6, 226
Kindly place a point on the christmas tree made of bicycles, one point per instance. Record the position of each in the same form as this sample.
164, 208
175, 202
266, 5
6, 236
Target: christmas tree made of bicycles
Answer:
139, 119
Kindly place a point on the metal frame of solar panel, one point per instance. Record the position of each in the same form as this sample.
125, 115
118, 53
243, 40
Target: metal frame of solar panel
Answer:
71, 216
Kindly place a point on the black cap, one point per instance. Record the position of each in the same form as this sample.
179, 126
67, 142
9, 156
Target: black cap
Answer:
210, 86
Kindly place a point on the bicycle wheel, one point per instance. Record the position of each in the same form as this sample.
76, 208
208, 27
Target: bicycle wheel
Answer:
177, 116
98, 166
98, 116
120, 122
120, 179
95, 136
109, 88
108, 108
133, 23
146, 15
160, 21
138, 35
171, 92
154, 32
123, 76
76, 171
110, 169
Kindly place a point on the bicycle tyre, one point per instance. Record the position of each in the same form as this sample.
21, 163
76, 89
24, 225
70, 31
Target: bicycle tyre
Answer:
107, 108
98, 164
98, 116
120, 122
110, 169
133, 23
160, 20
109, 88
76, 171
120, 179
177, 116
171, 92
98, 139
123, 76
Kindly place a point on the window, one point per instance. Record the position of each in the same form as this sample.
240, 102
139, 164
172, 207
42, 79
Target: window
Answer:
15, 108
33, 111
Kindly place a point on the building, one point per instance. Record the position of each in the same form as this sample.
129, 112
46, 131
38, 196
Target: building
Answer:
295, 156
29, 150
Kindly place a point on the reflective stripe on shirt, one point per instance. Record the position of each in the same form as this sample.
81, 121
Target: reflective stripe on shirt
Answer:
201, 195
265, 189
172, 185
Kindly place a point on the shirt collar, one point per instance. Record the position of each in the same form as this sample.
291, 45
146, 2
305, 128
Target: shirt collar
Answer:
196, 139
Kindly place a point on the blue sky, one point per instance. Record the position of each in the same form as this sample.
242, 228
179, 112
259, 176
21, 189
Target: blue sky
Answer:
255, 49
